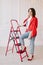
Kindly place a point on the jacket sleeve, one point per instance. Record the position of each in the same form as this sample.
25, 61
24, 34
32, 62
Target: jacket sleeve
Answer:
25, 22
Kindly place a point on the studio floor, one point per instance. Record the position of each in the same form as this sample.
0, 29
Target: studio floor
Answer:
14, 59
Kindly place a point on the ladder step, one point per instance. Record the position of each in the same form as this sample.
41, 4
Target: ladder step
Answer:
17, 37
16, 30
21, 51
19, 44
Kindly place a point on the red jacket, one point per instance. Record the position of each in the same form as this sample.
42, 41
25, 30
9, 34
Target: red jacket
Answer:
32, 26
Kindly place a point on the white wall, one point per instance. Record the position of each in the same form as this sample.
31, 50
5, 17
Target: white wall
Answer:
17, 9
9, 9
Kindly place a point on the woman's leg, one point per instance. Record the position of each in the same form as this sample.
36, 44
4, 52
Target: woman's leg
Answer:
22, 37
31, 46
31, 49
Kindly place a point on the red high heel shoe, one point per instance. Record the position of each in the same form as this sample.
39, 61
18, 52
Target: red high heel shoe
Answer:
30, 59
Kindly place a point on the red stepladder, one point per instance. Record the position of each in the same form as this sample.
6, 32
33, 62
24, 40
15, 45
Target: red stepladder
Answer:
14, 36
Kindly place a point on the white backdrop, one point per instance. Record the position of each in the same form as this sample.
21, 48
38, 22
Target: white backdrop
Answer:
17, 9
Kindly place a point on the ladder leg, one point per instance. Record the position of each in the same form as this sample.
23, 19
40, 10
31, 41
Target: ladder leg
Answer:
8, 44
7, 48
26, 53
21, 58
13, 48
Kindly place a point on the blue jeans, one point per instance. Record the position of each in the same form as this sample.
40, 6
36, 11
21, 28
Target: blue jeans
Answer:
31, 46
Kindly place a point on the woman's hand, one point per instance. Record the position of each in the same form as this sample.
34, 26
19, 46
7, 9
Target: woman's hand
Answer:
21, 25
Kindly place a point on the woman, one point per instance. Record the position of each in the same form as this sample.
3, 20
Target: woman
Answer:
31, 31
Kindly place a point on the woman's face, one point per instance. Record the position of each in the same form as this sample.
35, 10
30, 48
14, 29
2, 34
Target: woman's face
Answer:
29, 13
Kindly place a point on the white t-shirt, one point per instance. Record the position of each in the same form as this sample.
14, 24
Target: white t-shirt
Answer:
28, 22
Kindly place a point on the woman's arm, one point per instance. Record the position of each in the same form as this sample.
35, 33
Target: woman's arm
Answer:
24, 23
